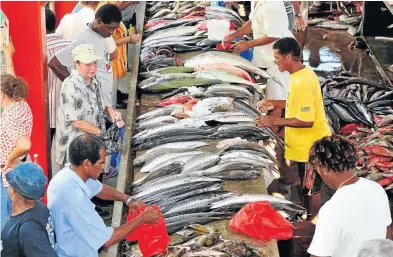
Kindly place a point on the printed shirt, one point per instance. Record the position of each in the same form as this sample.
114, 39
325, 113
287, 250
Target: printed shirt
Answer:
78, 101
54, 42
304, 103
16, 121
80, 231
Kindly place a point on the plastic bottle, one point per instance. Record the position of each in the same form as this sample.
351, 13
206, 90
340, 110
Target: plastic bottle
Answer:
35, 158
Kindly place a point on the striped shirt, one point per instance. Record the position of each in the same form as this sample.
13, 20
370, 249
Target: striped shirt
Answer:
54, 43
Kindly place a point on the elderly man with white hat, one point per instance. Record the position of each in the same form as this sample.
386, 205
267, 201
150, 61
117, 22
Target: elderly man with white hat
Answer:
81, 110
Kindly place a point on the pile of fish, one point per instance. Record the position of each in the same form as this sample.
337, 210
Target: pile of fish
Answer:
197, 240
213, 96
187, 182
351, 99
343, 22
180, 26
362, 110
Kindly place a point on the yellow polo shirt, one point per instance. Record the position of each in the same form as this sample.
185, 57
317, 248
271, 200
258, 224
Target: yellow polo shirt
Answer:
304, 103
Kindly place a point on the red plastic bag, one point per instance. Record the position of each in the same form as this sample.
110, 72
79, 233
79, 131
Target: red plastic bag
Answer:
152, 238
259, 220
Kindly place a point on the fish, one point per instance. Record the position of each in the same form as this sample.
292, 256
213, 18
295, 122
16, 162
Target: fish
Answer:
345, 19
171, 32
235, 248
173, 184
161, 13
163, 85
171, 169
315, 21
225, 67
167, 148
167, 204
229, 90
229, 119
178, 225
166, 70
333, 25
208, 240
214, 57
200, 162
241, 145
180, 99
156, 122
237, 175
158, 112
163, 159
196, 206
207, 43
236, 201
222, 167
169, 139
224, 76
388, 119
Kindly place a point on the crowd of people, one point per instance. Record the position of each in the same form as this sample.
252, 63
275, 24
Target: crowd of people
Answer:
87, 58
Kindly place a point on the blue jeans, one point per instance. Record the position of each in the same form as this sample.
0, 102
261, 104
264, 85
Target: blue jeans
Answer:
5, 204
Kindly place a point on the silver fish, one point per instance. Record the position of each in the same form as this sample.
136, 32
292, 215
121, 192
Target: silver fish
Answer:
161, 160
167, 110
200, 162
223, 57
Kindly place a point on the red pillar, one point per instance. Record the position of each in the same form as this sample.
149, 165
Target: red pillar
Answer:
62, 8
27, 30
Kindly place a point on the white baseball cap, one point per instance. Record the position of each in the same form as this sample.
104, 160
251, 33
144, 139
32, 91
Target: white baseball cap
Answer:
85, 53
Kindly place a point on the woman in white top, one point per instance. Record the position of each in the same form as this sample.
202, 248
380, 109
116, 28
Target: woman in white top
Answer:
359, 209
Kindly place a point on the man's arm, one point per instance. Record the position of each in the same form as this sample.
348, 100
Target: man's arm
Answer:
109, 193
246, 29
268, 121
389, 232
58, 69
278, 103
86, 127
265, 40
125, 4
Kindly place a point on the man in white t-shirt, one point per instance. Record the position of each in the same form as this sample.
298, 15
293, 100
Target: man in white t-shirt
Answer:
107, 19
268, 22
359, 209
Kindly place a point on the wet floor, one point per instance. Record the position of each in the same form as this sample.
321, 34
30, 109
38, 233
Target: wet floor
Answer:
327, 51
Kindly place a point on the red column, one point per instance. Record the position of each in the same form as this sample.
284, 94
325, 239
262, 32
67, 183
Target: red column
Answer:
27, 30
62, 8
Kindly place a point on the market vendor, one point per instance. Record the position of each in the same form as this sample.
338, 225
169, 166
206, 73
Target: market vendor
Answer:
305, 119
358, 211
268, 22
80, 231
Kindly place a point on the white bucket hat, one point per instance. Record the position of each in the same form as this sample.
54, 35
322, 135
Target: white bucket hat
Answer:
85, 53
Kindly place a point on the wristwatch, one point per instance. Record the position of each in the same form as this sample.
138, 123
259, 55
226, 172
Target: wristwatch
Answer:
298, 15
129, 200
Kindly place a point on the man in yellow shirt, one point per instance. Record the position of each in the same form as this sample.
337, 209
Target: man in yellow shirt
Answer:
305, 119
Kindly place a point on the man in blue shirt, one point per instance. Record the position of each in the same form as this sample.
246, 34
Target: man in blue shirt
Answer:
80, 230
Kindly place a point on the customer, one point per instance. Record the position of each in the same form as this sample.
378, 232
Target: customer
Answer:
81, 109
305, 119
80, 230
300, 21
107, 19
54, 43
376, 248
28, 231
268, 22
357, 212
16, 122
119, 65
